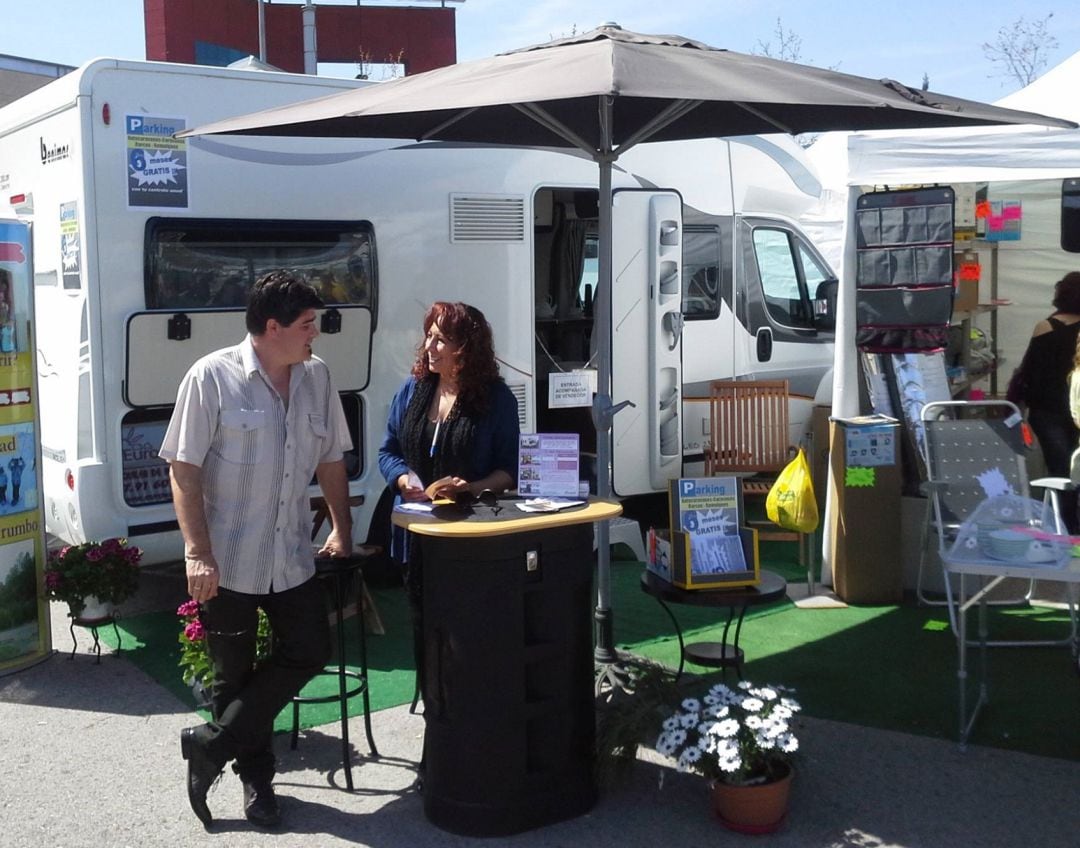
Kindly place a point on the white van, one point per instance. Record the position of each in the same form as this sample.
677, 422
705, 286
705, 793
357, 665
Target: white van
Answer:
144, 247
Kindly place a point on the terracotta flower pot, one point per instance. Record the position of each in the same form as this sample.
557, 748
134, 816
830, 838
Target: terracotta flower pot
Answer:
759, 808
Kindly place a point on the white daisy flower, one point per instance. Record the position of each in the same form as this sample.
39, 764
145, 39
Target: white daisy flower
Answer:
687, 759
665, 745
726, 728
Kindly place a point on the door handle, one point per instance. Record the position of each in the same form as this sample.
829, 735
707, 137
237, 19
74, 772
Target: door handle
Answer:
672, 323
764, 344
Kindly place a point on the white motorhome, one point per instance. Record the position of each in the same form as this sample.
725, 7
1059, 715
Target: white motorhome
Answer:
144, 247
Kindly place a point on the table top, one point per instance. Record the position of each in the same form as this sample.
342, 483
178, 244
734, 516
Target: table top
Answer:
772, 587
1067, 573
474, 526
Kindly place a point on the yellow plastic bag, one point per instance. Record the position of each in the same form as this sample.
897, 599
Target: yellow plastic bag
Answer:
791, 502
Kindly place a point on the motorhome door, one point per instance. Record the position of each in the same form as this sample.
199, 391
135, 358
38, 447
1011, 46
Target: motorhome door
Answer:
646, 345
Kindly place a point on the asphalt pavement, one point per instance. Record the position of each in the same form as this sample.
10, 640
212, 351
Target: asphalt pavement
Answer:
89, 756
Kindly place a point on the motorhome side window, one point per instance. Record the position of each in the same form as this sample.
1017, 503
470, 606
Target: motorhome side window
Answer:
701, 272
207, 264
789, 275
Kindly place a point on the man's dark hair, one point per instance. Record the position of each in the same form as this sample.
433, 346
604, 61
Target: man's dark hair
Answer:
280, 295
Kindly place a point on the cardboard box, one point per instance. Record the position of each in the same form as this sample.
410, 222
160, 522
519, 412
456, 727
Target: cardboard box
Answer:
819, 454
967, 295
866, 481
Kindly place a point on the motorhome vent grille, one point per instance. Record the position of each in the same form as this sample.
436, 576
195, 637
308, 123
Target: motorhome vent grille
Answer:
488, 217
521, 395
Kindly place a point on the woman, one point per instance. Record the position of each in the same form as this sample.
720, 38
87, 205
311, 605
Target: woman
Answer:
1044, 377
454, 422
453, 425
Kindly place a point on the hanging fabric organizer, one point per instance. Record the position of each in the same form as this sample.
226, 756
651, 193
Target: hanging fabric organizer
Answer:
904, 276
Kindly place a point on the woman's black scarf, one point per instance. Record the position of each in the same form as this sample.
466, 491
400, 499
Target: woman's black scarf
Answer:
454, 441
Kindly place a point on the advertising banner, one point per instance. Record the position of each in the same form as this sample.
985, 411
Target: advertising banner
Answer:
157, 162
25, 636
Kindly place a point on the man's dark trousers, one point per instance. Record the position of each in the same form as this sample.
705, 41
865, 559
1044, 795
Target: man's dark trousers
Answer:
246, 700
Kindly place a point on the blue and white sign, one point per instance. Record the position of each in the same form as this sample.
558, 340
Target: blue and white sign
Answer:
156, 162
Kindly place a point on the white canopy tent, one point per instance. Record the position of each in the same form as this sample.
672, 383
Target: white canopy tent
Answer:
1025, 163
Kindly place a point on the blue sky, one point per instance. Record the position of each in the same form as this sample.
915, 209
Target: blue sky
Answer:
870, 39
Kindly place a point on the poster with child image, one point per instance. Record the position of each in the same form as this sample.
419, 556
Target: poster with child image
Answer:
24, 614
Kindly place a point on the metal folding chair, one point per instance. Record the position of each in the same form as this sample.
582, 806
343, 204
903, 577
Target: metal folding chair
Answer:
974, 449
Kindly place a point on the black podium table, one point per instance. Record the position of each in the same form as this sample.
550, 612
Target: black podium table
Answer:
509, 740
722, 654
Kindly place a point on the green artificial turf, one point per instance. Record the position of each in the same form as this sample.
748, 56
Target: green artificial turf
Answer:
892, 667
150, 641
895, 667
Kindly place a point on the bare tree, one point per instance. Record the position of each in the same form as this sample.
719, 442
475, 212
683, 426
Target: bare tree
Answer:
788, 45
788, 48
1020, 50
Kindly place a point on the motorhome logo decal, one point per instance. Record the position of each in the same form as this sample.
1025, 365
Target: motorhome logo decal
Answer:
70, 256
156, 162
53, 152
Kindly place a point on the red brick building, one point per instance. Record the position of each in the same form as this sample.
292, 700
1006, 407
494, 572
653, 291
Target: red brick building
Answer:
217, 32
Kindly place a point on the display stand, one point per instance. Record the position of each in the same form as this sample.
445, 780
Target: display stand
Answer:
509, 742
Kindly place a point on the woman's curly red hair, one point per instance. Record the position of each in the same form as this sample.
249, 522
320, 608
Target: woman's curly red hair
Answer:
476, 366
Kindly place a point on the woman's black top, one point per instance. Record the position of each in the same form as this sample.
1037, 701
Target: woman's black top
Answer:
1047, 365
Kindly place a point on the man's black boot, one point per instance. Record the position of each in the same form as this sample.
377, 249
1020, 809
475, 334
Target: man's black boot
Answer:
203, 768
260, 804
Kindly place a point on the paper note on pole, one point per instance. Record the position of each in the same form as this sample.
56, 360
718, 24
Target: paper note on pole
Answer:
571, 388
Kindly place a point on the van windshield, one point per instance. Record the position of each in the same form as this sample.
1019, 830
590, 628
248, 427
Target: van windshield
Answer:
207, 264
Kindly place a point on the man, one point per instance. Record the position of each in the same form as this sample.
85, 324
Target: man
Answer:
251, 425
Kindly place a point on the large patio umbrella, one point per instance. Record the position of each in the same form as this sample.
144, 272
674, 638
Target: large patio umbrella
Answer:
602, 92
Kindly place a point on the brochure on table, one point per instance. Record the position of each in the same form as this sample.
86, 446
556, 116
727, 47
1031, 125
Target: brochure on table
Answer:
548, 464
710, 548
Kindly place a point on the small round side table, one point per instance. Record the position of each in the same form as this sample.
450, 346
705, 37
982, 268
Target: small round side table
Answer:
722, 654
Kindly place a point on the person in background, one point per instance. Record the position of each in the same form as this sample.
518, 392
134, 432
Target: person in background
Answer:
1042, 384
452, 428
16, 465
252, 423
1074, 411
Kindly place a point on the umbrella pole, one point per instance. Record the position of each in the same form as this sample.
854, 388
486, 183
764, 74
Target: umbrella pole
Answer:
604, 651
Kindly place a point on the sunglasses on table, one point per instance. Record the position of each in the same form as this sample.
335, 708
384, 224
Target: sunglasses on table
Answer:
486, 498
